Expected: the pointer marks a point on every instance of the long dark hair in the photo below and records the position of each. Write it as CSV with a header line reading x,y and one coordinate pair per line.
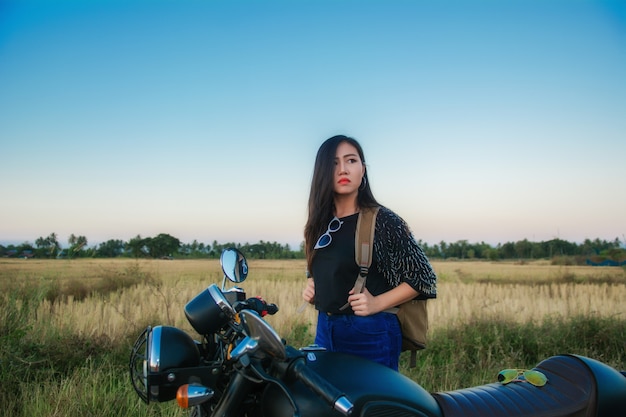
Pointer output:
x,y
321,196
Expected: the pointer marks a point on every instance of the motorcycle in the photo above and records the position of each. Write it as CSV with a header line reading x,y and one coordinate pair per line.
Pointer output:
x,y
242,368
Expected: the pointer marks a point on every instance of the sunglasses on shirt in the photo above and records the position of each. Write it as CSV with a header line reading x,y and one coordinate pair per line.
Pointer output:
x,y
326,238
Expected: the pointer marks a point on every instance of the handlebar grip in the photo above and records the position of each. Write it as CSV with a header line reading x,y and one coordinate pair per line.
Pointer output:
x,y
259,305
322,387
272,309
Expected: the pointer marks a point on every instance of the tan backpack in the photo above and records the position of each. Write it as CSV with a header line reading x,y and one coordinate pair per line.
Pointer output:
x,y
413,314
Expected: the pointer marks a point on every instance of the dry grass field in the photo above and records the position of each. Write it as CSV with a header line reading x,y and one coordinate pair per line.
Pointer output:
x,y
85,295
67,326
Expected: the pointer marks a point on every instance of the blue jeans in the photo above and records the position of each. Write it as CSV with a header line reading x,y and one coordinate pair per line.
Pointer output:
x,y
377,337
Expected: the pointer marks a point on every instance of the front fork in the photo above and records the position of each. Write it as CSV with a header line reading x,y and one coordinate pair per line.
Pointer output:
x,y
234,396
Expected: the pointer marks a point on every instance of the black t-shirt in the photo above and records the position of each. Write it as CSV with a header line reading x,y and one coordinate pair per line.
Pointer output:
x,y
334,270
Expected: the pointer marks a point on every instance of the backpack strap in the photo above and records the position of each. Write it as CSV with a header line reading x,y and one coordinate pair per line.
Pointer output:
x,y
363,246
364,239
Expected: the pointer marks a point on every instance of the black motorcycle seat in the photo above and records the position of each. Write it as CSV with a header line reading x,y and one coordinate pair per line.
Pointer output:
x,y
571,391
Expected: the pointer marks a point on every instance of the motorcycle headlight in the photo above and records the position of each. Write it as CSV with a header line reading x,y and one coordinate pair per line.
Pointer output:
x,y
157,356
209,311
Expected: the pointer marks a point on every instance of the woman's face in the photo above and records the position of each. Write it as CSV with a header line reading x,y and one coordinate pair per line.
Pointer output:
x,y
349,169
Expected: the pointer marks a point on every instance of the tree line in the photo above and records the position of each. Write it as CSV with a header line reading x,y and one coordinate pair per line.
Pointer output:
x,y
162,246
165,246
596,249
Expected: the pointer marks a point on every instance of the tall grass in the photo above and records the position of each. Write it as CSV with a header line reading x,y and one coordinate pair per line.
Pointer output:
x,y
66,327
474,352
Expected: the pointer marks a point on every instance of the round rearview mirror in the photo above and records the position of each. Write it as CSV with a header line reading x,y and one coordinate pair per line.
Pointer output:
x,y
234,265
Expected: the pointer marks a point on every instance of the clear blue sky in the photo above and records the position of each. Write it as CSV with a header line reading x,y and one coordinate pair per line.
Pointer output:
x,y
484,120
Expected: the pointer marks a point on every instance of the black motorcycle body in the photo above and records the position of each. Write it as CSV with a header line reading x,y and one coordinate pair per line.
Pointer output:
x,y
578,386
374,389
243,369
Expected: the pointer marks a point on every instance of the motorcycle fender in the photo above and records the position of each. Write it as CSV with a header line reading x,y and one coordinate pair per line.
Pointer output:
x,y
371,387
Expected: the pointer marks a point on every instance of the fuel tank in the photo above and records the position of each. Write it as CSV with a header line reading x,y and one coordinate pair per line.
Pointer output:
x,y
374,389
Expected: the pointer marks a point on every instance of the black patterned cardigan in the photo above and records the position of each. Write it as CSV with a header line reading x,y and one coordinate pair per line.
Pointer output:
x,y
399,257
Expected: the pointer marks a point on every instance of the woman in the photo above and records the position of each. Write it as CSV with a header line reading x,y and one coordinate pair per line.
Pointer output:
x,y
399,272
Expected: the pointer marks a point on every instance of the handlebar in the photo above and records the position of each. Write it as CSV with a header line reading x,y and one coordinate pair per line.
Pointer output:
x,y
295,366
258,305
321,387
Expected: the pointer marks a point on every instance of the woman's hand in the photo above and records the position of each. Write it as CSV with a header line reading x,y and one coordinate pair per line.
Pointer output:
x,y
366,304
308,294
363,304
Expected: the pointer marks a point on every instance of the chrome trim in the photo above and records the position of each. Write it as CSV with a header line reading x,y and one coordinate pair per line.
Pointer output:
x,y
344,405
154,349
198,394
221,302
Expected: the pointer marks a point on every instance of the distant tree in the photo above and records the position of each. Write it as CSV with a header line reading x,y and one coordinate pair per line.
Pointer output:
x,y
25,250
523,249
443,248
458,249
539,250
482,250
194,249
214,252
489,253
559,247
110,249
137,247
218,248
47,247
42,247
163,245
615,254
77,243
507,251
433,251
